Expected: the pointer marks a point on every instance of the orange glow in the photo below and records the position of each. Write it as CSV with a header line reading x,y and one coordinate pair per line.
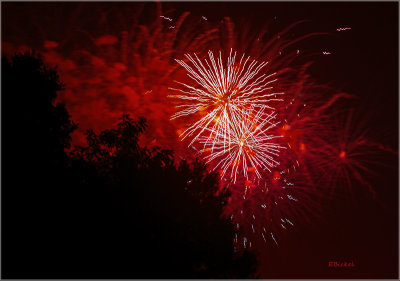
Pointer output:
x,y
247,183
235,163
283,130
302,147
202,111
342,154
277,175
251,169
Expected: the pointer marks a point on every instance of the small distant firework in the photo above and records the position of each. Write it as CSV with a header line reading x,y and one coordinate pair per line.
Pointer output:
x,y
345,157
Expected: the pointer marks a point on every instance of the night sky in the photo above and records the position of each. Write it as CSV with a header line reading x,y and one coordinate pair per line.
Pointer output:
x,y
107,71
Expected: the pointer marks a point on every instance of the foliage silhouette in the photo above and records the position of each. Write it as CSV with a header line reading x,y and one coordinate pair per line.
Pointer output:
x,y
111,209
35,132
173,216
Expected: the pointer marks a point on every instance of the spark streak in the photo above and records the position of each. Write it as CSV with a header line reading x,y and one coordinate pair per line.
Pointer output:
x,y
343,28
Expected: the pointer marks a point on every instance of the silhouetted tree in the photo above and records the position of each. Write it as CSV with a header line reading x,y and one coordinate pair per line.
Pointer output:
x,y
169,212
111,209
35,132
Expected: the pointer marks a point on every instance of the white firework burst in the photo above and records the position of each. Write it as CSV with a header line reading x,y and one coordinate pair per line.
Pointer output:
x,y
222,93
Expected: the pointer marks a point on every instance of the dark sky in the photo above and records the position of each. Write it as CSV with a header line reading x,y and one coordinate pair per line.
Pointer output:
x,y
363,62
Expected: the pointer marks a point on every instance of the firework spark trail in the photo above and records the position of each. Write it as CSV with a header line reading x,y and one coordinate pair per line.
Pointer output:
x,y
222,92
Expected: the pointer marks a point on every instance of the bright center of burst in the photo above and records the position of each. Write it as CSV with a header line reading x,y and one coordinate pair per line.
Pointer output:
x,y
223,99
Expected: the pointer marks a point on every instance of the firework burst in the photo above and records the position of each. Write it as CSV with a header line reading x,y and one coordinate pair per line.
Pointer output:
x,y
223,92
